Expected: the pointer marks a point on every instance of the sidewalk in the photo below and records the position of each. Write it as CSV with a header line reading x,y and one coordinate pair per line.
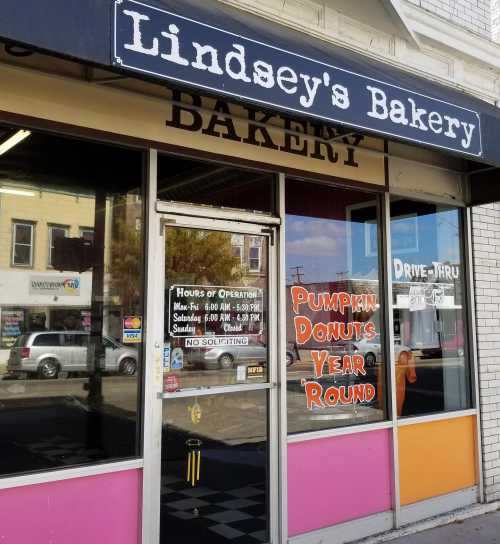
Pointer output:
x,y
477,530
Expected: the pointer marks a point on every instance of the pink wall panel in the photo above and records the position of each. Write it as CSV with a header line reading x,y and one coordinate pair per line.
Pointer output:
x,y
337,479
92,509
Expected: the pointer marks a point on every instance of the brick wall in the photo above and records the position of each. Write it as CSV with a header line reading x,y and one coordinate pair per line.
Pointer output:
x,y
474,15
486,255
495,20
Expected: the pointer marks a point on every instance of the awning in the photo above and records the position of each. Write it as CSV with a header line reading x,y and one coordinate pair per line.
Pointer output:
x,y
220,50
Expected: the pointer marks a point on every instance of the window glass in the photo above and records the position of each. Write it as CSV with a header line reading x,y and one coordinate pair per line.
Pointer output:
x,y
237,246
88,234
215,311
107,343
45,340
254,259
54,234
71,340
432,367
70,212
22,242
336,364
196,182
223,496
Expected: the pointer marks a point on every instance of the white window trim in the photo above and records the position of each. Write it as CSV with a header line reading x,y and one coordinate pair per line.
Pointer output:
x,y
81,230
242,252
250,259
32,243
9,482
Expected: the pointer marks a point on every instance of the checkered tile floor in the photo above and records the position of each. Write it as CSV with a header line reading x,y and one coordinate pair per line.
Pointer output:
x,y
59,449
236,515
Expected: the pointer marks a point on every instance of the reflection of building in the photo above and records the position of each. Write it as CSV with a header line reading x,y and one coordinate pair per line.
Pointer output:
x,y
251,252
32,294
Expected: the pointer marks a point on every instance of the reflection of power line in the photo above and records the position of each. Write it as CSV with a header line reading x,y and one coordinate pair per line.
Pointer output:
x,y
298,275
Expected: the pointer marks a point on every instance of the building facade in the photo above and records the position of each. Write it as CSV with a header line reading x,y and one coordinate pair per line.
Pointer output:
x,y
248,269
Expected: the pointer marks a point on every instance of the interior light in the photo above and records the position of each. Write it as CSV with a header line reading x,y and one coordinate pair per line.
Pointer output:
x,y
19,136
18,192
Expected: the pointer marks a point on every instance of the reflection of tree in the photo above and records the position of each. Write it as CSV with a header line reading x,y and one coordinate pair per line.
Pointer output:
x,y
200,257
126,263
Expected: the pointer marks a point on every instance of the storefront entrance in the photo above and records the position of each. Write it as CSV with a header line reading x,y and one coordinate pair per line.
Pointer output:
x,y
219,375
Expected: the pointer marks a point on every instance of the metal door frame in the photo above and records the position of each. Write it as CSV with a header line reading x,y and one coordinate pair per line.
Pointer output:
x,y
153,396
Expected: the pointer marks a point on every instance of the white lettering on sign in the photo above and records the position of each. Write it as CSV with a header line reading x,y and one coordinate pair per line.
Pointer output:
x,y
416,117
215,311
182,49
215,341
436,271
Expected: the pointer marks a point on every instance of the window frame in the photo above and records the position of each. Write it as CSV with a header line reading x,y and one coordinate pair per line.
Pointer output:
x,y
81,230
31,225
241,247
50,239
374,199
464,226
250,259
112,463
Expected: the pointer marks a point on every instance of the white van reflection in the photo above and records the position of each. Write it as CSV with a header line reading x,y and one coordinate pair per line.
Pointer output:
x,y
47,354
225,357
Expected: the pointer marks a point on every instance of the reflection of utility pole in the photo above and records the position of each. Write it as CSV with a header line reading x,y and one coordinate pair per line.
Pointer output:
x,y
298,275
95,349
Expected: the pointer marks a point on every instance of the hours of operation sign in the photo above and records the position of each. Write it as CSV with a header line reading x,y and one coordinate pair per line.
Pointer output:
x,y
215,311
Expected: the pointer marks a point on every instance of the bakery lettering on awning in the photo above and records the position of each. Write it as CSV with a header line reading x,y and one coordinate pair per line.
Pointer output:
x,y
266,130
324,363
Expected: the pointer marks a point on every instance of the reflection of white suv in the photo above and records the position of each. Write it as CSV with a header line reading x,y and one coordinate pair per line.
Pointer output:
x,y
370,349
228,356
46,353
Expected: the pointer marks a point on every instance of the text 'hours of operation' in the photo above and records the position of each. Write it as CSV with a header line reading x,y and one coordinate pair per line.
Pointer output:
x,y
197,310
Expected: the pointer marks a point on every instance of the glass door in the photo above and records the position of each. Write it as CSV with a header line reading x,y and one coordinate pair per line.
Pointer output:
x,y
218,384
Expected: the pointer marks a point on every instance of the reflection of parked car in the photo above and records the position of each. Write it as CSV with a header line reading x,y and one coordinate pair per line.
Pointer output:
x,y
50,352
370,349
228,356
452,346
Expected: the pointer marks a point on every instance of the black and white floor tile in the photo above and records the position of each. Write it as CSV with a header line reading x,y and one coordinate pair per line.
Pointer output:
x,y
61,450
237,515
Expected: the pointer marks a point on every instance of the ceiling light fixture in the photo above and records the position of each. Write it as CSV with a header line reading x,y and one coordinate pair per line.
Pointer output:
x,y
9,143
17,192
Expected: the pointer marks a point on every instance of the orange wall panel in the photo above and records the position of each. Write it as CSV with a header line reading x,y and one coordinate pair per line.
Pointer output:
x,y
436,458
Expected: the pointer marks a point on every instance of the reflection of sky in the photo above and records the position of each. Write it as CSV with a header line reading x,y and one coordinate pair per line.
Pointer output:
x,y
435,238
320,246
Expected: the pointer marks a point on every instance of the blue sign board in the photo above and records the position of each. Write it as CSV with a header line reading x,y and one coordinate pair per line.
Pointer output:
x,y
167,45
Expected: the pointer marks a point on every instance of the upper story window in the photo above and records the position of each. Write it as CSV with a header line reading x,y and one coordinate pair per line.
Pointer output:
x,y
254,254
55,232
87,234
22,243
237,246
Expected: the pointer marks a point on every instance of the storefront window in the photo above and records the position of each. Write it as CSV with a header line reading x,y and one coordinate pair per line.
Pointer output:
x,y
432,367
210,184
71,319
335,357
